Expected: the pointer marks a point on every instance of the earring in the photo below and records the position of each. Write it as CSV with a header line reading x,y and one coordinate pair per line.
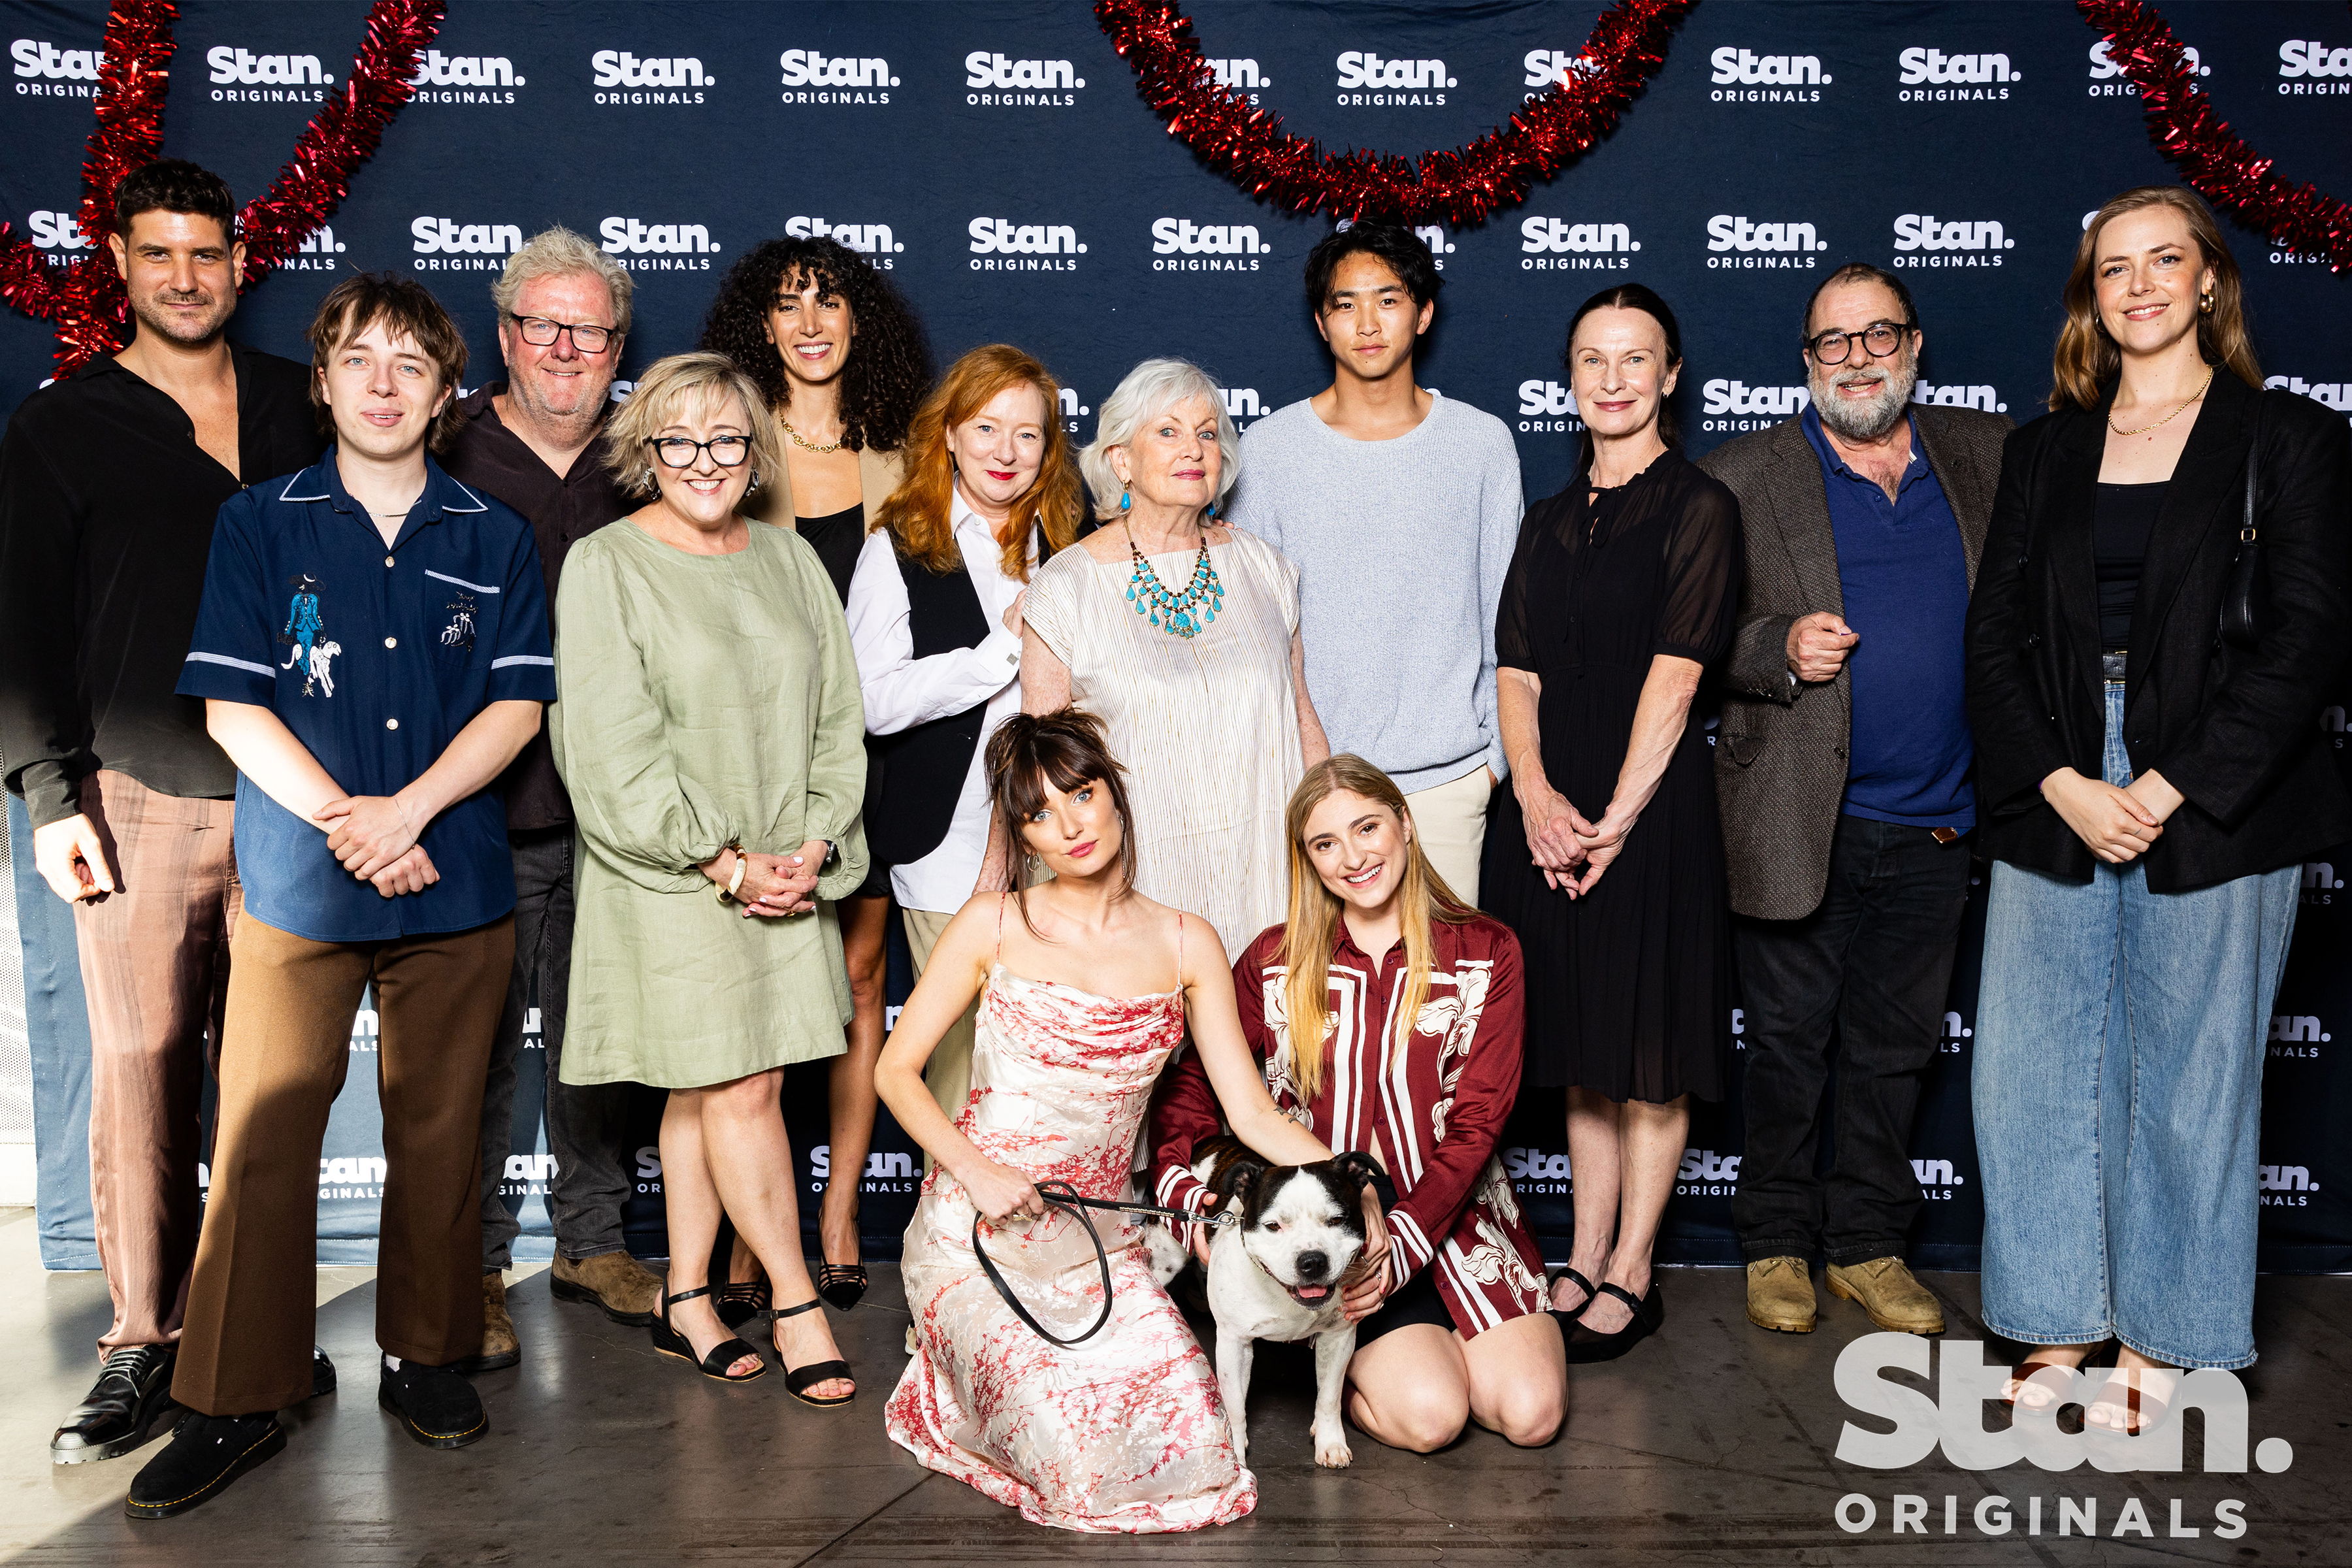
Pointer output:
x,y
1212,513
1124,500
755,480
2205,305
648,482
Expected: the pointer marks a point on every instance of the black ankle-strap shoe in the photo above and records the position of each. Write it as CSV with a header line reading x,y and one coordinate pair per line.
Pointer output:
x,y
130,1403
438,1407
205,1454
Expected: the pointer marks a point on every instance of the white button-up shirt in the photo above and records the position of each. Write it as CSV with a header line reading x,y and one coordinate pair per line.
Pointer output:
x,y
902,692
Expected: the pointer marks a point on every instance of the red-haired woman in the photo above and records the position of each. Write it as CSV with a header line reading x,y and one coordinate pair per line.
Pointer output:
x,y
990,491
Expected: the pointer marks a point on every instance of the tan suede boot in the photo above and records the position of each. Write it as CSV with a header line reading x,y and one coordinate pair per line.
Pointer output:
x,y
500,1347
1894,1301
614,1283
1781,1295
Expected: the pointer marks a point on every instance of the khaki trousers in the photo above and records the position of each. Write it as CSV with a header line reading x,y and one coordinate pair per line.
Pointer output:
x,y
1451,822
252,1312
948,1075
155,965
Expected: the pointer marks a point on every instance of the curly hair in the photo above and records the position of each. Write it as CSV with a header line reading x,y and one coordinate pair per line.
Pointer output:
x,y
887,372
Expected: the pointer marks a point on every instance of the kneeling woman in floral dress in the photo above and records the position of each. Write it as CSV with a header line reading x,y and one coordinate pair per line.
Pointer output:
x,y
1387,1016
1085,988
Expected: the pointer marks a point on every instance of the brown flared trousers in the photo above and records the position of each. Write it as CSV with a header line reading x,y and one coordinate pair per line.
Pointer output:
x,y
246,1345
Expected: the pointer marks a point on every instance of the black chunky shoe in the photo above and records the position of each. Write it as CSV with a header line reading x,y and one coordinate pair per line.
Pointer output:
x,y
129,1403
205,1454
322,1372
439,1407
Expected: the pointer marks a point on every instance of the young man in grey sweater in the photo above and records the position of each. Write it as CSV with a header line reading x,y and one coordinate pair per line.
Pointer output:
x,y
1401,508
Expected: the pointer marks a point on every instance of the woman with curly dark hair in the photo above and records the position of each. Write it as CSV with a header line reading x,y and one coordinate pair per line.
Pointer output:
x,y
838,354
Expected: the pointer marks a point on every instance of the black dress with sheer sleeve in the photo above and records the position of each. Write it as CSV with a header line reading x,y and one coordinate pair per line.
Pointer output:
x,y
1628,987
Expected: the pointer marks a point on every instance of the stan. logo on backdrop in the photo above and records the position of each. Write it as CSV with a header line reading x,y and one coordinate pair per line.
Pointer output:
x,y
1931,76
874,241
1742,76
1000,245
811,76
1001,83
1556,245
2320,884
1754,245
621,78
1548,408
2307,66
1922,239
45,70
1370,79
1240,76
2107,78
657,247
240,76
465,78
445,244
1548,69
1179,244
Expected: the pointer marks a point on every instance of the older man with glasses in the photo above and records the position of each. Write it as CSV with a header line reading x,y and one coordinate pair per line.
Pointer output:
x,y
534,441
1842,764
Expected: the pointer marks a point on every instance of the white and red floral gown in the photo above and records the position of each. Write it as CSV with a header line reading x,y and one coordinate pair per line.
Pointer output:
x,y
1123,1432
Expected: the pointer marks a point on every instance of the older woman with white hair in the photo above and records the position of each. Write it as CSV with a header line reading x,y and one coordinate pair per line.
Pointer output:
x,y
1182,635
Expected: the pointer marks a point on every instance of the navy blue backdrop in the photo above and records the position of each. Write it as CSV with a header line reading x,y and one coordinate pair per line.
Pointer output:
x,y
995,156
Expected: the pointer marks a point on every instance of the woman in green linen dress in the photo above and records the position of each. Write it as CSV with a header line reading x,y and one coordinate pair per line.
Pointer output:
x,y
708,728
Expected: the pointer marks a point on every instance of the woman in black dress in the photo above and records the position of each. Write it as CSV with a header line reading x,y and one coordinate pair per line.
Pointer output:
x,y
839,355
1605,856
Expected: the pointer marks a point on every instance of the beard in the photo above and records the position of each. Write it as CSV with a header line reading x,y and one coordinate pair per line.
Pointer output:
x,y
1868,418
178,326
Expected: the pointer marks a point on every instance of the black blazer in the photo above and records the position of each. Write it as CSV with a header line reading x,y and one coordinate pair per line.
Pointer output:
x,y
2235,730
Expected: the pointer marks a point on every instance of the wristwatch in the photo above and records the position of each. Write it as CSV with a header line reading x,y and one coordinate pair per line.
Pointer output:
x,y
831,857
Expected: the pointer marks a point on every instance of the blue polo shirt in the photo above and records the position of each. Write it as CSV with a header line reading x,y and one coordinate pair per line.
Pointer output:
x,y
1904,575
375,656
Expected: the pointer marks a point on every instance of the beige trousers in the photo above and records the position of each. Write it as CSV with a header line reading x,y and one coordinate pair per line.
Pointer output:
x,y
1451,819
948,1075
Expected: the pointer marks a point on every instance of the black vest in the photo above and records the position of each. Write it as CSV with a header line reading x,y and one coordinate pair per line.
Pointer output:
x,y
922,769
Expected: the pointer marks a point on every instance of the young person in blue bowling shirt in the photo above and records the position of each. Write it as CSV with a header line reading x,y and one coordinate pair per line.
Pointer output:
x,y
372,651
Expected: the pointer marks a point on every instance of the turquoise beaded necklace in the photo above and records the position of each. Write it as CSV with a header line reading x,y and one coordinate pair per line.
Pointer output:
x,y
1178,615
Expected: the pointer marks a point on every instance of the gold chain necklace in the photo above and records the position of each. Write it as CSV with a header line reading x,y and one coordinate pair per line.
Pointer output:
x,y
2146,428
806,445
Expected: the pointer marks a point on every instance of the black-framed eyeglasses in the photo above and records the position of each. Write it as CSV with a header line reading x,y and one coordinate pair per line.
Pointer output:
x,y
541,333
678,452
1881,338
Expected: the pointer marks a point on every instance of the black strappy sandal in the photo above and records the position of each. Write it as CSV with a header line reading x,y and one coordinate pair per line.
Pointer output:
x,y
738,1301
797,1382
1587,1345
843,1285
724,1354
1570,1314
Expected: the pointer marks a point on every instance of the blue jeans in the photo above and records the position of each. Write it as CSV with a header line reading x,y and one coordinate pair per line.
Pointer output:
x,y
2117,1092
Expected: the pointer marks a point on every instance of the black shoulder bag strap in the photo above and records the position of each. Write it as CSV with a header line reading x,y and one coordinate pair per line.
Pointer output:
x,y
2245,604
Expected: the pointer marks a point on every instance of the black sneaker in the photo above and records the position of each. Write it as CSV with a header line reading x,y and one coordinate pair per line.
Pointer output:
x,y
129,1403
439,1408
322,1372
205,1454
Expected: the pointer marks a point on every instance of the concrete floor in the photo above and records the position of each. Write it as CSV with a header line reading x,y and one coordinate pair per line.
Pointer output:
x,y
1712,1444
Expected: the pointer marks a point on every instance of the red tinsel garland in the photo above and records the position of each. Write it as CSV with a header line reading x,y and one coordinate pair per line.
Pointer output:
x,y
2188,129
85,299
1454,185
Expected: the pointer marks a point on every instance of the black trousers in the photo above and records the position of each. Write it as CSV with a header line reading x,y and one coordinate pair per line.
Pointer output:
x,y
1875,959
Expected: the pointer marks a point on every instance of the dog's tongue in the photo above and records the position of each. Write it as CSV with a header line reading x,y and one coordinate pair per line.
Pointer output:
x,y
1313,1292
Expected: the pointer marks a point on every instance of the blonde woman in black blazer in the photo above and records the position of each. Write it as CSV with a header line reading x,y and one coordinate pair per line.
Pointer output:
x,y
2148,789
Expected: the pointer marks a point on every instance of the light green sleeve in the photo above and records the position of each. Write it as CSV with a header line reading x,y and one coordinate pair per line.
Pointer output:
x,y
634,807
836,774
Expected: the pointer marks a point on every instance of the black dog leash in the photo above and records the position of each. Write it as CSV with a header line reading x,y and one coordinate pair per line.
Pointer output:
x,y
1062,1195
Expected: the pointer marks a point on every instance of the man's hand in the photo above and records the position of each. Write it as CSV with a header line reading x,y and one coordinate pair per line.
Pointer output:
x,y
412,873
1818,644
372,832
71,859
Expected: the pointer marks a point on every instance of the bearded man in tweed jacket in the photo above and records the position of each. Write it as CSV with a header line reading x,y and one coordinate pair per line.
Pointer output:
x,y
1843,762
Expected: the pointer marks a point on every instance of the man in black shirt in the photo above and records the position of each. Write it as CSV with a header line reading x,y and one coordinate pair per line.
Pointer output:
x,y
533,442
109,480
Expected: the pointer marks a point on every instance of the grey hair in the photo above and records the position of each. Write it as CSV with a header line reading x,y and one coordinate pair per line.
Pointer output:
x,y
558,253
1153,387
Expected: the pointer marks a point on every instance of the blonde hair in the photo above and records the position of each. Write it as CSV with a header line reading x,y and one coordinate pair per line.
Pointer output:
x,y
2087,361
667,389
920,513
1309,931
558,253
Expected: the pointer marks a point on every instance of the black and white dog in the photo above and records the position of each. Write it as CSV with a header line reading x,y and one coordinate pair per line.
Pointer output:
x,y
1276,1274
